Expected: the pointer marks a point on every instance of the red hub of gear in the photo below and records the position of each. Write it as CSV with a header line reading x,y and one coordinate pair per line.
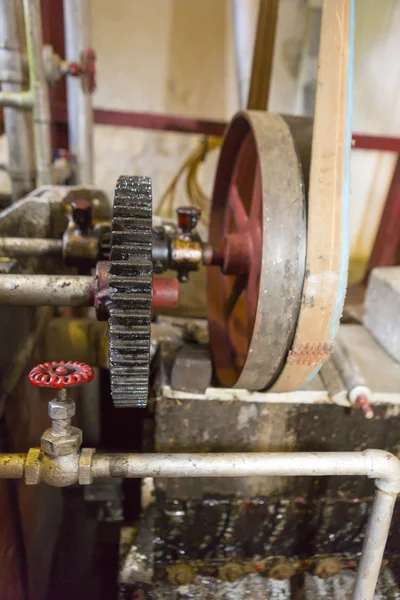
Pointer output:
x,y
59,375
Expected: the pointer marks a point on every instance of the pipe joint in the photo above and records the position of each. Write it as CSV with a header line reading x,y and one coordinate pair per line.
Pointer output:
x,y
385,469
57,471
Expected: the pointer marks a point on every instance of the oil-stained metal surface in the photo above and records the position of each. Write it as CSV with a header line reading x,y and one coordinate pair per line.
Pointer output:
x,y
251,587
130,278
254,532
43,213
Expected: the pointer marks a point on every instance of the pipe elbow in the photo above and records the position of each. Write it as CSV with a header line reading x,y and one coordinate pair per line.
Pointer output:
x,y
385,469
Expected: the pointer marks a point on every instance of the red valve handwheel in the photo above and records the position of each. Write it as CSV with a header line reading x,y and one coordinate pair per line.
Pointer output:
x,y
58,375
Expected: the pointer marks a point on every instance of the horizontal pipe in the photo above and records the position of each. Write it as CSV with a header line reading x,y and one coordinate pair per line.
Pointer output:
x,y
46,290
381,143
179,124
15,247
12,466
376,464
21,100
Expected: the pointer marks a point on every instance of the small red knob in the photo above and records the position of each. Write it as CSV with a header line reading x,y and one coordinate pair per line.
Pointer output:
x,y
58,375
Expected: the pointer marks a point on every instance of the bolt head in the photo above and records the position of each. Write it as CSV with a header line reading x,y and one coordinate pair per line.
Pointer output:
x,y
61,410
62,445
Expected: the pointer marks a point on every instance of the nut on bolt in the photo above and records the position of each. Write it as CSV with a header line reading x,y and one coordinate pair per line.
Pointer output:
x,y
61,410
68,443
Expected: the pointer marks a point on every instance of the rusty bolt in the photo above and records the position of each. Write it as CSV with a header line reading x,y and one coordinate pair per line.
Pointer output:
x,y
283,569
180,574
327,567
230,572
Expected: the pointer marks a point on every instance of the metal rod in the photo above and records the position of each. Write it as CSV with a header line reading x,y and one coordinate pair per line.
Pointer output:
x,y
15,247
374,546
46,290
375,464
14,83
39,90
358,391
12,466
80,114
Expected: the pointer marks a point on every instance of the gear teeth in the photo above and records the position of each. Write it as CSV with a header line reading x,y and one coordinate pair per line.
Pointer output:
x,y
130,277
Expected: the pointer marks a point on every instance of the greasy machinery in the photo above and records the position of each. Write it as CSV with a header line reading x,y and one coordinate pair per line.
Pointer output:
x,y
234,412
255,276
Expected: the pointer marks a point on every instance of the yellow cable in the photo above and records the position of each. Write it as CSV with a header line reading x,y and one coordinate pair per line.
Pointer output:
x,y
196,195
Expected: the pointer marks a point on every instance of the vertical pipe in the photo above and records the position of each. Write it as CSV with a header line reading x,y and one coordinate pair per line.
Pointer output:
x,y
17,123
80,115
39,90
374,546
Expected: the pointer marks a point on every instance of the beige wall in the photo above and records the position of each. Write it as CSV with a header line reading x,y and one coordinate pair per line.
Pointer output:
x,y
165,56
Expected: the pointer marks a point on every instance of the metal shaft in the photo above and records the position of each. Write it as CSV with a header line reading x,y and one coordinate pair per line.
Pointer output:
x,y
12,466
357,388
15,247
46,290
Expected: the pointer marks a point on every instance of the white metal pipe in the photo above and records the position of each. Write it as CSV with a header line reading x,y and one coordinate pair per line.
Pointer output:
x,y
20,100
15,246
39,89
46,290
375,464
77,20
14,93
374,545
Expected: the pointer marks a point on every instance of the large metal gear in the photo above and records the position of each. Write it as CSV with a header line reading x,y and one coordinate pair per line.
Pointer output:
x,y
130,279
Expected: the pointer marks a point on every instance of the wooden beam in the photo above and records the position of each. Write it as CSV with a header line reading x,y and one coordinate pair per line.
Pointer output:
x,y
263,55
328,201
